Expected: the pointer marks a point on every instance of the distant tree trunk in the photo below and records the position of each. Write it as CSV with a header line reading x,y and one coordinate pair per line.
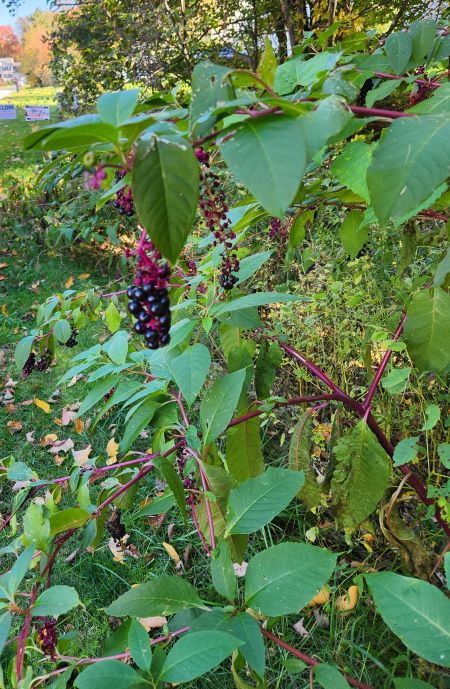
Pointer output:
x,y
288,21
280,31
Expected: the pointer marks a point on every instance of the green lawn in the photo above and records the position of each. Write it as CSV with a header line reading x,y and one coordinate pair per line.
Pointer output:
x,y
14,161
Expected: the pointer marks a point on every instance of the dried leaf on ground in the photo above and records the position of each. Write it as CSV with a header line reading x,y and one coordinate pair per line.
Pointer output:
x,y
14,426
42,405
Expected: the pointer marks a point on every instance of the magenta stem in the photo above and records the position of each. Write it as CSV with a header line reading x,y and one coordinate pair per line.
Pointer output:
x,y
381,368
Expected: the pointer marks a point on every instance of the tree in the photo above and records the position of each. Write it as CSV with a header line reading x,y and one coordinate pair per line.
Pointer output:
x,y
36,52
9,43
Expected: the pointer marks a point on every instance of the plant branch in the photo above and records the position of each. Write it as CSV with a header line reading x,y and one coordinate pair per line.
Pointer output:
x,y
381,368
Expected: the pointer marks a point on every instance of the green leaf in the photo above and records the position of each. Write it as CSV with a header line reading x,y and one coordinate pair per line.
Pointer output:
x,y
398,47
277,146
284,578
5,625
165,191
138,420
209,87
254,503
351,165
361,476
408,164
442,274
244,450
190,370
117,106
444,454
438,103
432,414
417,612
325,122
447,569
250,264
254,299
300,459
70,518
243,627
427,330
405,451
11,580
139,645
311,71
410,683
396,380
196,653
19,471
55,601
110,673
219,404
96,394
268,63
112,317
22,351
383,91
117,347
329,677
163,596
62,330
422,34
36,527
352,235
222,572
171,477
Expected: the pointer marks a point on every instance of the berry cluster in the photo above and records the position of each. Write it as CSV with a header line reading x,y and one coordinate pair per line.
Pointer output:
x,y
188,481
277,230
72,341
93,180
149,299
214,209
47,636
41,364
420,89
124,199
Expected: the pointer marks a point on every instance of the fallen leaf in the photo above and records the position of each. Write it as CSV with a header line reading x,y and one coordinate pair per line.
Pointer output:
x,y
170,531
8,395
4,310
48,439
2,277
14,426
82,456
300,628
69,282
62,446
42,405
3,265
11,407
79,425
67,416
59,459
240,569
348,601
152,622
84,276
30,437
320,599
156,521
172,553
112,449
26,403
322,620
187,554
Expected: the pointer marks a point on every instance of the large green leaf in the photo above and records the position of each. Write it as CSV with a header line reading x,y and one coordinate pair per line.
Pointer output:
x,y
190,370
222,572
310,71
140,418
411,683
139,645
55,601
240,625
361,476
408,164
196,653
427,330
173,480
117,347
416,611
327,120
254,299
165,191
244,450
438,103
350,167
209,87
110,673
163,596
5,626
284,578
268,155
22,351
422,34
117,106
70,518
219,404
382,91
257,501
398,47
300,459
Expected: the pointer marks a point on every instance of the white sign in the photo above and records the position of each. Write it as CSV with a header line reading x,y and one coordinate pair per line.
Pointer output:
x,y
7,112
37,112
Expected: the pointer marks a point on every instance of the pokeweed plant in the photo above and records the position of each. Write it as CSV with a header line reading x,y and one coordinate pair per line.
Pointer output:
x,y
286,134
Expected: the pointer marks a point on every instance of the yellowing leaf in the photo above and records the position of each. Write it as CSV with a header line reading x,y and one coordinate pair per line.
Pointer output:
x,y
347,602
79,425
42,405
320,599
82,456
14,426
48,439
4,310
152,622
69,282
172,553
84,276
111,450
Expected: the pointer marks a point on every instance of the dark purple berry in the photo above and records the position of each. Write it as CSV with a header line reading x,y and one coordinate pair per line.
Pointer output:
x,y
164,339
139,328
143,316
138,294
134,307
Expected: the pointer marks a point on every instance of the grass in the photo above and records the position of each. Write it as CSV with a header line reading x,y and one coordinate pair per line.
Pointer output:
x,y
15,163
358,642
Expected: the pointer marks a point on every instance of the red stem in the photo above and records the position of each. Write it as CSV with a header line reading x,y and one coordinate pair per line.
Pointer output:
x,y
307,659
292,401
384,362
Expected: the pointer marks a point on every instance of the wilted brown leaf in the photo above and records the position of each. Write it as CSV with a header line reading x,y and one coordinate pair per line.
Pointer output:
x,y
69,282
82,456
14,426
152,622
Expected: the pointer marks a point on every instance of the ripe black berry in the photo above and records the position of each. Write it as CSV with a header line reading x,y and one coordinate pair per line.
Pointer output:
x,y
164,339
138,294
134,307
139,328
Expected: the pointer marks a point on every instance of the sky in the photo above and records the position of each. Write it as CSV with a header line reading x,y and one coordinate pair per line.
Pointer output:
x,y
26,7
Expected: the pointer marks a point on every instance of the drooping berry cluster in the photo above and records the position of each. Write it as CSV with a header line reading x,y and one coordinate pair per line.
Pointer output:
x,y
188,481
277,230
148,298
72,341
214,209
124,197
47,636
41,364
